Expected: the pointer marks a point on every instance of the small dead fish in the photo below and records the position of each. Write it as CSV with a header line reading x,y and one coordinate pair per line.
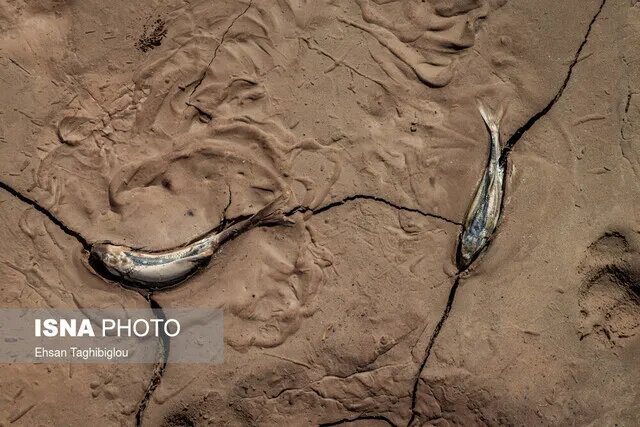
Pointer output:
x,y
154,270
484,212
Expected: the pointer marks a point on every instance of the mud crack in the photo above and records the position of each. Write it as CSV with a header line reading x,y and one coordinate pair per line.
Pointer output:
x,y
37,206
339,62
215,52
378,199
159,368
432,340
360,418
518,134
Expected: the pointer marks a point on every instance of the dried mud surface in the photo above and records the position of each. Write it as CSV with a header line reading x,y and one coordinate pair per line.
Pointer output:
x,y
148,124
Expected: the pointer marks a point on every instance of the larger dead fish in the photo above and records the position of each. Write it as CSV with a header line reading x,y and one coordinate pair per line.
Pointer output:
x,y
484,212
154,270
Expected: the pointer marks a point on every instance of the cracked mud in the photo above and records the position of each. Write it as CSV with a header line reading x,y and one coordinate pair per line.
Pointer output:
x,y
151,127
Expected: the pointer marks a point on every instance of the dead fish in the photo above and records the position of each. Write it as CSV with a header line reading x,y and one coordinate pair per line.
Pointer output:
x,y
482,219
154,270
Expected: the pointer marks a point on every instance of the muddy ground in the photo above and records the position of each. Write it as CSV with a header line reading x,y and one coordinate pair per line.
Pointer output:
x,y
148,124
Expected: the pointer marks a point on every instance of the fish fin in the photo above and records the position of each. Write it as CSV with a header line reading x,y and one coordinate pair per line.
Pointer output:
x,y
492,118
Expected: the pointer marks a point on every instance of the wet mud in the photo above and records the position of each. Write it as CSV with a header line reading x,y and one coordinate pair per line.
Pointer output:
x,y
382,260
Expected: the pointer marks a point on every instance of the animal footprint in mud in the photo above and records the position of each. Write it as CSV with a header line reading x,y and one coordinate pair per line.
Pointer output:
x,y
610,294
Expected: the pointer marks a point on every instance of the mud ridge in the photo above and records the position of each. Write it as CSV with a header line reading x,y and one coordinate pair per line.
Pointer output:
x,y
518,134
160,366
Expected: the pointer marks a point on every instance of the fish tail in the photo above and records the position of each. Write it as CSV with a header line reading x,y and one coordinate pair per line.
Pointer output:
x,y
272,209
492,118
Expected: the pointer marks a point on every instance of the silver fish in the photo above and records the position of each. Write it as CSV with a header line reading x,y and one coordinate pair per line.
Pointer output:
x,y
482,219
154,270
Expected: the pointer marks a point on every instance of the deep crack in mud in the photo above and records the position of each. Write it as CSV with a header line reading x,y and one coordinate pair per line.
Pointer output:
x,y
361,418
15,193
379,200
432,340
158,370
518,134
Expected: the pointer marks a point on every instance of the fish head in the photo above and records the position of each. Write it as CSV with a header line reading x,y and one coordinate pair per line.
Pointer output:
x,y
115,258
